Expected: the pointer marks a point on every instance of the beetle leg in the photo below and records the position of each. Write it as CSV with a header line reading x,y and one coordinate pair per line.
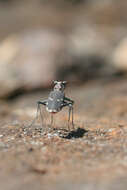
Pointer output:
x,y
35,116
70,114
69,100
51,120
72,111
41,103
38,109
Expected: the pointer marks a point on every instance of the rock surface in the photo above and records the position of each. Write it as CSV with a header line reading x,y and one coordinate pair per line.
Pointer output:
x,y
91,157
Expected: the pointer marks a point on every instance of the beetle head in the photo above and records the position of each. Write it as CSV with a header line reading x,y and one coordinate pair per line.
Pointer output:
x,y
60,85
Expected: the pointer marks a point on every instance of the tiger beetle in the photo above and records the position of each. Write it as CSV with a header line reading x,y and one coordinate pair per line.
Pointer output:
x,y
55,102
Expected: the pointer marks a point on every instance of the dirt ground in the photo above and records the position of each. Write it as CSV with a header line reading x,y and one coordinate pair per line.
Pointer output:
x,y
91,157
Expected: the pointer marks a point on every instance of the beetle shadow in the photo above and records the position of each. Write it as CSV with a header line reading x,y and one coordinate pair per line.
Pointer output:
x,y
78,133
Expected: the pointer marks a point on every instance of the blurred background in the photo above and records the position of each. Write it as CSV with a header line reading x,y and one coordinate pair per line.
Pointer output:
x,y
73,40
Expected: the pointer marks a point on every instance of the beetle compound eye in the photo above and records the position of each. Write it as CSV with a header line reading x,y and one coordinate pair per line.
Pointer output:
x,y
64,82
55,81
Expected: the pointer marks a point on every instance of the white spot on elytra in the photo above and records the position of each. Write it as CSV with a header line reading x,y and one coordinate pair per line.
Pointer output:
x,y
50,110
